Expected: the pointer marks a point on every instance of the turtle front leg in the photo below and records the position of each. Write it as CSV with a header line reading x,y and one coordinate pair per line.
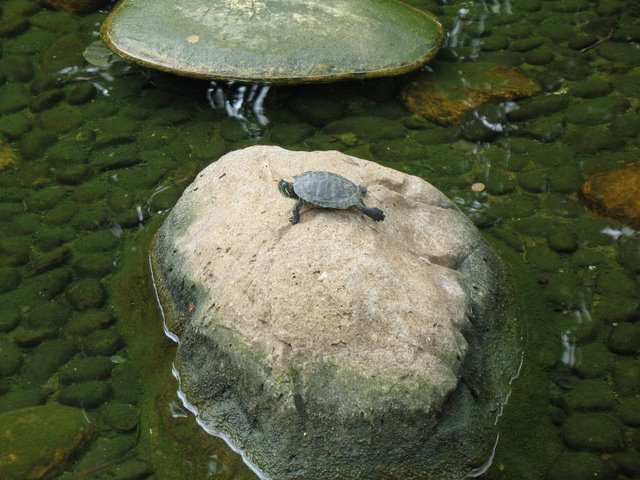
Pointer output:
x,y
296,212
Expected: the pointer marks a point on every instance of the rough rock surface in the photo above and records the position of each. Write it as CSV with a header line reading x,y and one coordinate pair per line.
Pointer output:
x,y
616,194
339,347
452,90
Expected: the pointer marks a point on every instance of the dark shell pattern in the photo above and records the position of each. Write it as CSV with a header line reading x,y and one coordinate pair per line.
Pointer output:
x,y
326,189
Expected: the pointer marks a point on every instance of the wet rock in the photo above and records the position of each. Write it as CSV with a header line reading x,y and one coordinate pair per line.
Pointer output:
x,y
45,360
580,466
498,182
103,342
90,394
13,126
93,264
591,395
452,90
628,84
566,292
19,398
591,88
628,463
34,144
306,404
544,259
615,194
13,97
45,100
61,214
44,198
629,411
540,56
85,369
592,431
10,358
89,321
165,199
596,111
614,283
50,314
12,27
81,93
74,6
32,337
484,124
9,318
17,68
9,279
526,44
112,158
86,294
626,376
66,51
538,106
624,339
534,180
60,120
122,417
593,360
625,53
125,381
615,308
566,179
582,41
367,127
75,174
134,469
34,447
562,240
629,254
593,139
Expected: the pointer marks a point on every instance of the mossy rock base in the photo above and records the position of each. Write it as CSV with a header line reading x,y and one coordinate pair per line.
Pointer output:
x,y
32,446
276,41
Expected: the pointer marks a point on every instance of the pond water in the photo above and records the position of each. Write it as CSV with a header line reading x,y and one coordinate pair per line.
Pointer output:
x,y
95,158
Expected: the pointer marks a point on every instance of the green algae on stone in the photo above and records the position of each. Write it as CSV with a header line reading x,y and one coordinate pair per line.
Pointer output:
x,y
32,446
276,41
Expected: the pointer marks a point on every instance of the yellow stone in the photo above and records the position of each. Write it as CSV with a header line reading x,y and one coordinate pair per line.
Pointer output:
x,y
616,194
448,93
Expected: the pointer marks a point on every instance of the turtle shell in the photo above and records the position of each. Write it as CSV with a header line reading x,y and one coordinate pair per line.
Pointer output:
x,y
326,189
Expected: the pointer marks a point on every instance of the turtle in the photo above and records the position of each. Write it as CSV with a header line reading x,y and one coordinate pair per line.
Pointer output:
x,y
326,190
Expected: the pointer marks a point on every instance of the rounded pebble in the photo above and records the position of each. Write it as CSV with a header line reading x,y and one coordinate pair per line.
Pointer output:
x,y
85,395
597,432
562,240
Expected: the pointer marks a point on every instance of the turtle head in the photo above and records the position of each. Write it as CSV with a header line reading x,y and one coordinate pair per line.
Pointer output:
x,y
286,189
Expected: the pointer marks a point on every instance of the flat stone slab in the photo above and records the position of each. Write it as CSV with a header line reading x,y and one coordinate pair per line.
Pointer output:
x,y
274,41
339,347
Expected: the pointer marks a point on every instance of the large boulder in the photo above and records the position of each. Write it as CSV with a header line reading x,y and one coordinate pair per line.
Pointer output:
x,y
340,347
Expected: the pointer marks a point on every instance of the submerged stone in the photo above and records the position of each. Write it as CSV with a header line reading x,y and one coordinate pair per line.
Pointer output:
x,y
276,41
616,194
338,347
39,442
452,90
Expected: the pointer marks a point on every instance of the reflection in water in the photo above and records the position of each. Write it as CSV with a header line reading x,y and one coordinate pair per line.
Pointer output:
x,y
242,101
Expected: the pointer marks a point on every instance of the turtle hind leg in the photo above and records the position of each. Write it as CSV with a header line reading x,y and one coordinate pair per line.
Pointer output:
x,y
296,212
375,213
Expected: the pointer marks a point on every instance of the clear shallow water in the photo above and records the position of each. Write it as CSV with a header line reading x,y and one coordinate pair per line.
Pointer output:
x,y
102,155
